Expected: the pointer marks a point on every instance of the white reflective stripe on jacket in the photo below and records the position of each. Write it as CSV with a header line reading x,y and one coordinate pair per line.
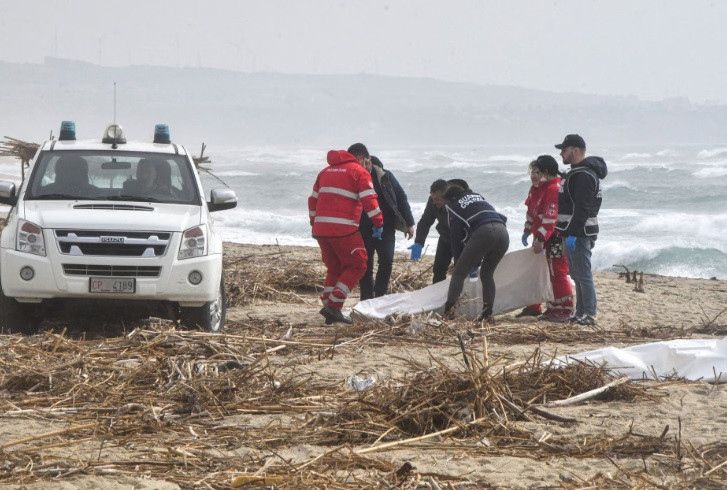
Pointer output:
x,y
338,221
339,191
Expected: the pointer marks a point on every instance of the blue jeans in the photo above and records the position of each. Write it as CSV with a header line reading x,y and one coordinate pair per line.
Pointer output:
x,y
579,263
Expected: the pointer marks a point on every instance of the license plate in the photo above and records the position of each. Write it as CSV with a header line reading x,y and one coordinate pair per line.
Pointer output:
x,y
112,285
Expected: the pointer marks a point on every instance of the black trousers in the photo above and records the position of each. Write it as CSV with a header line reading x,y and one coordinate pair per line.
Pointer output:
x,y
384,249
487,245
442,258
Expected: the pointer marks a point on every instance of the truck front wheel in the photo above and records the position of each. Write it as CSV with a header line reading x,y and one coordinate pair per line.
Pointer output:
x,y
16,317
210,316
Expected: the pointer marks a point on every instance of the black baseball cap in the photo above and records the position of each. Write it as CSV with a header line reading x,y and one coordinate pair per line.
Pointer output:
x,y
572,140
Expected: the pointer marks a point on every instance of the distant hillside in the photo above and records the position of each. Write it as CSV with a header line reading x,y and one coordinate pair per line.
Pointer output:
x,y
225,107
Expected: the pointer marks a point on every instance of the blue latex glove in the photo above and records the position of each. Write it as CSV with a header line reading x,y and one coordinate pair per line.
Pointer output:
x,y
416,251
473,272
570,243
525,239
377,232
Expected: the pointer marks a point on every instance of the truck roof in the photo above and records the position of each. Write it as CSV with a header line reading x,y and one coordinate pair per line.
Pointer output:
x,y
140,146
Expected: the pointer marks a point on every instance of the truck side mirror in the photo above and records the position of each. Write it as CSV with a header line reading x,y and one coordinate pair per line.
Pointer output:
x,y
221,199
7,193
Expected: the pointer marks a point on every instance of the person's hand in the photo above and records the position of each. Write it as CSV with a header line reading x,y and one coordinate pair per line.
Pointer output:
x,y
473,272
416,251
377,232
409,233
570,243
537,246
525,239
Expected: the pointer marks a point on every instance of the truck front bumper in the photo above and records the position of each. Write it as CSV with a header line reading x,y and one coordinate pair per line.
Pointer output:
x,y
50,281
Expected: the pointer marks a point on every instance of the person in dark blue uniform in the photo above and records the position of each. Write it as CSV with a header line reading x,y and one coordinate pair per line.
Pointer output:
x,y
435,211
479,238
579,201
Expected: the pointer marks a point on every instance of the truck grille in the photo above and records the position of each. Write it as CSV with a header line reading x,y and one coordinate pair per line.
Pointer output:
x,y
112,243
111,270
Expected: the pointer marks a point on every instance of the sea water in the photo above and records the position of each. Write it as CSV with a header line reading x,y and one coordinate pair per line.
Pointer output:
x,y
663,208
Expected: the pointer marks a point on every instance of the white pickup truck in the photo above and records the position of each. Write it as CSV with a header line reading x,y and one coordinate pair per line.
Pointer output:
x,y
112,221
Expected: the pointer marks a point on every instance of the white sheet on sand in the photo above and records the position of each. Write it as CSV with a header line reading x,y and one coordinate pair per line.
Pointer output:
x,y
693,359
521,279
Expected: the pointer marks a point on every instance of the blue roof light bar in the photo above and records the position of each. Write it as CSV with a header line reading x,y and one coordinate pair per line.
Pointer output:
x,y
68,131
161,134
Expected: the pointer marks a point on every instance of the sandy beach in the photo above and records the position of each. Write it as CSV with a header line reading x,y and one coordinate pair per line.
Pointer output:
x,y
455,404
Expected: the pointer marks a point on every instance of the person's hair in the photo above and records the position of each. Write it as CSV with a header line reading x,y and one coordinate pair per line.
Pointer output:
x,y
460,182
358,150
439,185
376,161
547,165
532,165
454,191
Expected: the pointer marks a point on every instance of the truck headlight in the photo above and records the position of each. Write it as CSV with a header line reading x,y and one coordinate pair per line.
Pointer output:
x,y
194,243
30,238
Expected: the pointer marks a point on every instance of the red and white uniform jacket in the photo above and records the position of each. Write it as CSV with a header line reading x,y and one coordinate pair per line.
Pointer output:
x,y
544,210
340,191
532,202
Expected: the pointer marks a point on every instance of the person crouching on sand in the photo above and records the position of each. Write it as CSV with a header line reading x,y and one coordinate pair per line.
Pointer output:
x,y
339,193
478,236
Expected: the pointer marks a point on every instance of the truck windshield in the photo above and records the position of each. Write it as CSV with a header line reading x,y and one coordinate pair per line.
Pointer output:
x,y
117,176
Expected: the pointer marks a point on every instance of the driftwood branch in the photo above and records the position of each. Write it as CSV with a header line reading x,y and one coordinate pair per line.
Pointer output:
x,y
417,439
22,150
588,394
622,274
201,159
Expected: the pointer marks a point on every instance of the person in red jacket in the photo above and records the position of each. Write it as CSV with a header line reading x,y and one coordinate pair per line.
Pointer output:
x,y
545,236
533,200
340,192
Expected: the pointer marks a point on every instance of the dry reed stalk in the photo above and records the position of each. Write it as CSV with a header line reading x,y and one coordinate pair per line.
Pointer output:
x,y
277,278
45,435
176,396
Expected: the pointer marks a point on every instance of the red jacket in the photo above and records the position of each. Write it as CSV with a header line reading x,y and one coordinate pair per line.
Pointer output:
x,y
534,195
543,209
340,191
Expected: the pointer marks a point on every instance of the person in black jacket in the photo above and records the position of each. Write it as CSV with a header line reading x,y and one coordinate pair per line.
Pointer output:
x,y
479,236
579,201
397,216
435,211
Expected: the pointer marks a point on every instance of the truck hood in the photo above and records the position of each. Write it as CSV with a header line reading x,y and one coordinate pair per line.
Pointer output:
x,y
106,215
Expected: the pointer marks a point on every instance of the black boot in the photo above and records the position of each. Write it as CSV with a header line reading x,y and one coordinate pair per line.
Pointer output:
x,y
328,322
527,311
332,316
486,314
449,311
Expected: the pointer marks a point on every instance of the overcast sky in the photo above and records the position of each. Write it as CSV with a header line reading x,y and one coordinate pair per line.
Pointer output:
x,y
647,48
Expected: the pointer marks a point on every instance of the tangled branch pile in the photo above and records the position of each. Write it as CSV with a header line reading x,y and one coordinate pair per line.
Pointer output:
x,y
277,278
166,402
438,398
20,149
176,405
